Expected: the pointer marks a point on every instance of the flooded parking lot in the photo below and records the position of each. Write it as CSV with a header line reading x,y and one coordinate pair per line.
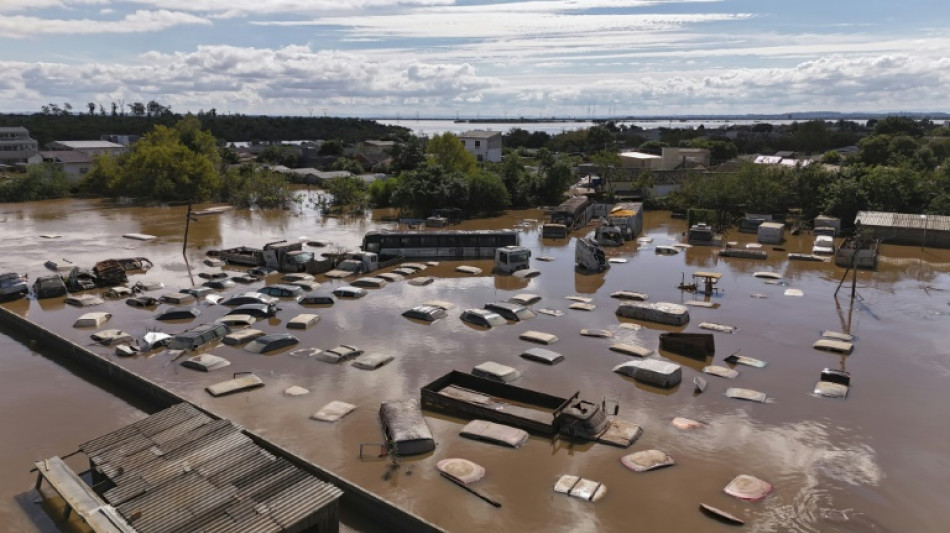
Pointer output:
x,y
875,461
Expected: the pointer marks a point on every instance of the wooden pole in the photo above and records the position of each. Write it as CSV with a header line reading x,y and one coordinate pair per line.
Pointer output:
x,y
458,482
184,243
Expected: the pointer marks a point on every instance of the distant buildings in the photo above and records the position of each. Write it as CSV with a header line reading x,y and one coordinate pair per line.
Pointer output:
x,y
16,146
484,145
90,148
75,164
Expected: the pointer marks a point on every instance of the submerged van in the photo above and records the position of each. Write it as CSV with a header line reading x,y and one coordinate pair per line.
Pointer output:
x,y
198,336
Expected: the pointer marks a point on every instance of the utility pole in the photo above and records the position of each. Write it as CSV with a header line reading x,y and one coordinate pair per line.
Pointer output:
x,y
188,219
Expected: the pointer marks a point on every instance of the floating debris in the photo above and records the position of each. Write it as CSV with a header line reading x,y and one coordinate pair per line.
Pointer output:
x,y
722,328
695,345
635,350
837,335
140,236
617,260
496,371
111,337
746,394
700,303
468,269
666,250
687,423
580,306
581,299
720,514
646,460
546,258
524,299
721,371
526,273
660,312
50,236
699,384
736,359
420,281
205,362
333,411
767,275
748,488
758,295
461,469
247,381
551,312
542,356
833,346
630,295
295,390
833,383
579,487
794,292
645,240
491,432
602,333
84,300
656,372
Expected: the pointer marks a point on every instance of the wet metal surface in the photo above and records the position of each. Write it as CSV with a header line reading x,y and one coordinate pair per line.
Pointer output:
x,y
873,458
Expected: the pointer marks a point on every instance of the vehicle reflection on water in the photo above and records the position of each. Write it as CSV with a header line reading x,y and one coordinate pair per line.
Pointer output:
x,y
868,459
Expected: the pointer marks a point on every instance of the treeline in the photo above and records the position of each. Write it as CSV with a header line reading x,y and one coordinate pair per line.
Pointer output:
x,y
440,173
60,126
184,163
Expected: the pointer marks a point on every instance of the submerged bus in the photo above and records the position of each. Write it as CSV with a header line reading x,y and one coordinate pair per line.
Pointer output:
x,y
456,244
573,213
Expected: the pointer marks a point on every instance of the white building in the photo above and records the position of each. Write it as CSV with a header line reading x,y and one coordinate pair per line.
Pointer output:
x,y
74,164
483,144
16,145
90,148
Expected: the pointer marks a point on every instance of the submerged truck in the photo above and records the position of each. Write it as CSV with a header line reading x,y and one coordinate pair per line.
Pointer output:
x,y
473,397
628,216
589,256
282,255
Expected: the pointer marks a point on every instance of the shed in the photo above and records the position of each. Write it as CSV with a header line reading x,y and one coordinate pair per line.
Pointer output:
x,y
181,470
906,228
824,221
771,233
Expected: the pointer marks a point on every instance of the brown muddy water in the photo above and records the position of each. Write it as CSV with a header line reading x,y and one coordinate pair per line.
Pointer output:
x,y
876,461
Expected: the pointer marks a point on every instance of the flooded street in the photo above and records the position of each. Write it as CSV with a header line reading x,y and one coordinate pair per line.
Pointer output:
x,y
876,461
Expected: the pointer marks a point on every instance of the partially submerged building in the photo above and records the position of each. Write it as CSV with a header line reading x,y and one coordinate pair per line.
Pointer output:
x,y
906,228
181,470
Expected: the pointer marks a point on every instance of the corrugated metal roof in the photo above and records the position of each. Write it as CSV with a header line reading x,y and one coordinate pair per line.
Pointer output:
x,y
903,220
180,470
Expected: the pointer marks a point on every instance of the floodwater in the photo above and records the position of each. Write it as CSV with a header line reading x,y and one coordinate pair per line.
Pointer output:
x,y
876,461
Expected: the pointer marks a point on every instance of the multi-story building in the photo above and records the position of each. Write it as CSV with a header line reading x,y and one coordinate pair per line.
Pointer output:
x,y
16,146
484,145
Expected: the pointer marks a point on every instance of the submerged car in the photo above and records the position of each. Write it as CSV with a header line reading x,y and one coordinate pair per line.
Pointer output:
x,y
259,310
178,313
198,336
349,291
281,291
510,311
49,287
270,343
316,299
482,317
250,298
219,284
13,286
427,313
339,353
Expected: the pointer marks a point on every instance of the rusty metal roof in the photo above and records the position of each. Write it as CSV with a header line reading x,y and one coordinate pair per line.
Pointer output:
x,y
181,470
903,220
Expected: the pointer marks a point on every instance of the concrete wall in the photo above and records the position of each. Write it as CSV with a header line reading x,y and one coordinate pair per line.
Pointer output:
x,y
355,498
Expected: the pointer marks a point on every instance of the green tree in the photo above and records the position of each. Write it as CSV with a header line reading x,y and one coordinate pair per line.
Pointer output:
x,y
409,154
279,155
448,152
381,192
420,191
347,163
556,175
895,125
332,147
348,191
42,181
516,180
486,194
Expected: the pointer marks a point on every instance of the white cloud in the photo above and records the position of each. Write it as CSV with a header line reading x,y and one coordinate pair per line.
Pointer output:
x,y
139,21
9,6
290,78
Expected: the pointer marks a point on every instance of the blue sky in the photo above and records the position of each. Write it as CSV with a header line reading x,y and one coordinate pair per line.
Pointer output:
x,y
382,58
